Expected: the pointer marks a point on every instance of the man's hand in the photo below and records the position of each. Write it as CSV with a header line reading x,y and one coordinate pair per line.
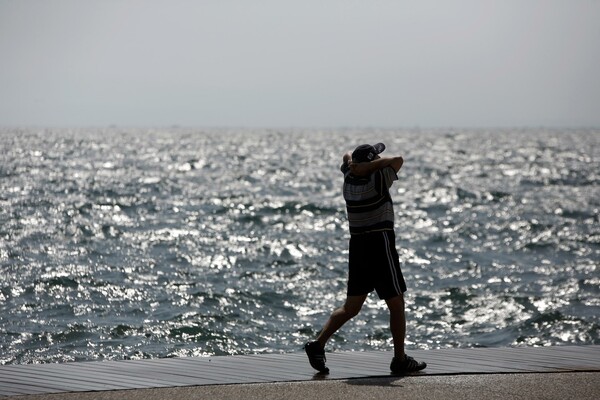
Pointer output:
x,y
347,159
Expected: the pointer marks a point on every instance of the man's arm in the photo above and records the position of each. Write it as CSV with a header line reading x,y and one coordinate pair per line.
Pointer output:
x,y
367,168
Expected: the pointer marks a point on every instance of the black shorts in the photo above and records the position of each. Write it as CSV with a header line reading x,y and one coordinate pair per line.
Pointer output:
x,y
374,265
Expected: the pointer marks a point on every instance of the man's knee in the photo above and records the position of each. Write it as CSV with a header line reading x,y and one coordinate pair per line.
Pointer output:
x,y
353,305
351,311
396,304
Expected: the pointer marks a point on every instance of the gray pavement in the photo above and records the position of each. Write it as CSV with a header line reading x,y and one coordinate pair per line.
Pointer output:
x,y
530,386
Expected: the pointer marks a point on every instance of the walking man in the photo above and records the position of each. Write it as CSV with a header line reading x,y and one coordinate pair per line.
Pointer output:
x,y
373,261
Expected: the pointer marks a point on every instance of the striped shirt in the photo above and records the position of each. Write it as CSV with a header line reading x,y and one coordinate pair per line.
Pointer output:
x,y
368,201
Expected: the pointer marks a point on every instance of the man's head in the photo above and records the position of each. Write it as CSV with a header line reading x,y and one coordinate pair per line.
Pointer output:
x,y
367,152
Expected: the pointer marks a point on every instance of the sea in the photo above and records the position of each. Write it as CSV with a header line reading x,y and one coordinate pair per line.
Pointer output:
x,y
121,243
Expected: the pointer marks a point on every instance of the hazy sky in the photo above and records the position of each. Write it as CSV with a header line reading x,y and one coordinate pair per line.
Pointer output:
x,y
300,63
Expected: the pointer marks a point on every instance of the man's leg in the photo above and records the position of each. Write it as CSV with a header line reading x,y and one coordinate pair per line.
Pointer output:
x,y
340,316
397,324
401,363
316,350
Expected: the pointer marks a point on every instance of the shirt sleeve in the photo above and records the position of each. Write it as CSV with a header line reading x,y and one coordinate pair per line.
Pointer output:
x,y
389,176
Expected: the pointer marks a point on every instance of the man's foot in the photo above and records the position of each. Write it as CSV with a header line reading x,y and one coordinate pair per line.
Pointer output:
x,y
406,365
316,356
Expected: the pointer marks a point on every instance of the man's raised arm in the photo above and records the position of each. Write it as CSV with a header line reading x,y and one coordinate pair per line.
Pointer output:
x,y
367,168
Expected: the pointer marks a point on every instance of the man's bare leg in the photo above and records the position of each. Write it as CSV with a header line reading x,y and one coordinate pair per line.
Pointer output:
x,y
397,324
340,316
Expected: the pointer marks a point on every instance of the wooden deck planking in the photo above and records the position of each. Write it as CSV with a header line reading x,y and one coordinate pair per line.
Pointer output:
x,y
73,375
133,369
548,357
486,359
260,368
478,359
53,379
122,376
18,388
232,370
253,371
173,372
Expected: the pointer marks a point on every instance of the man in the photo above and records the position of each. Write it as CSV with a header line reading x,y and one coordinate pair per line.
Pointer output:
x,y
373,261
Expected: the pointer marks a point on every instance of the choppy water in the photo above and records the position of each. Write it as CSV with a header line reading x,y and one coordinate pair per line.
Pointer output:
x,y
119,244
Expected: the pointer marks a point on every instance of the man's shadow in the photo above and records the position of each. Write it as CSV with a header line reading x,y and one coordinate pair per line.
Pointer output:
x,y
381,381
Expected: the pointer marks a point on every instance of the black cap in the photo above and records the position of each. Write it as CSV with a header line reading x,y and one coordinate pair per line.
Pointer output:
x,y
366,152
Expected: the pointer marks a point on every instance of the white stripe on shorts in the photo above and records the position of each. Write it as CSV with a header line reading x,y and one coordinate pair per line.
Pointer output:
x,y
391,264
